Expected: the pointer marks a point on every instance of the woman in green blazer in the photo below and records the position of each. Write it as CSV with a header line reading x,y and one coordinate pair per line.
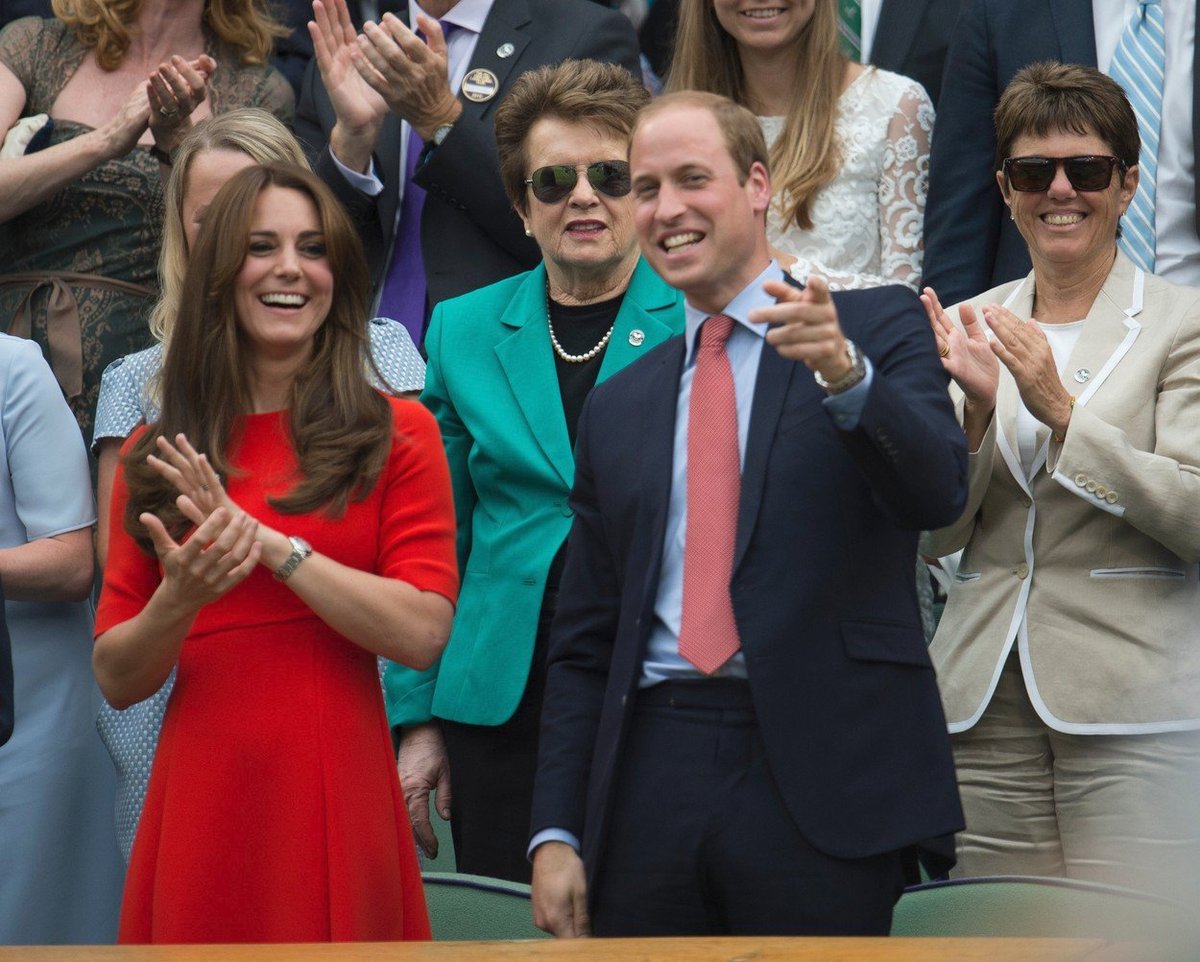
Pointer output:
x,y
508,370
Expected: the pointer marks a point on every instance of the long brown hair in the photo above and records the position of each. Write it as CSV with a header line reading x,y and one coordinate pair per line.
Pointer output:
x,y
248,26
806,156
340,426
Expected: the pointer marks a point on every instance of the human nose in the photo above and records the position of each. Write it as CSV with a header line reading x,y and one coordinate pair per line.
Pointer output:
x,y
583,194
287,261
669,203
1061,185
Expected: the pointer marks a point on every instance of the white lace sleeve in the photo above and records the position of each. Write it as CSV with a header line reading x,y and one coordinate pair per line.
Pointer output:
x,y
903,188
886,131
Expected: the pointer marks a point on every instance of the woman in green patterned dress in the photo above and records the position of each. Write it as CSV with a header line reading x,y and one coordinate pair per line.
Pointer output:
x,y
81,218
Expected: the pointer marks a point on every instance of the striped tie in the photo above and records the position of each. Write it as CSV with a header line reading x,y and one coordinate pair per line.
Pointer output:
x,y
1138,66
850,28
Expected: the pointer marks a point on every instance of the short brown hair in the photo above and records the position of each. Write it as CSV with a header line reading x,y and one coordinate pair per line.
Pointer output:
x,y
601,95
740,128
1049,96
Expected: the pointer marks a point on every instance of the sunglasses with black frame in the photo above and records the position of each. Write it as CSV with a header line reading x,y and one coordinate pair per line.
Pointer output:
x,y
551,184
1089,172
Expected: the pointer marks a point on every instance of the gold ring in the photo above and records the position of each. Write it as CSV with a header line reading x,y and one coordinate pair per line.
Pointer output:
x,y
944,350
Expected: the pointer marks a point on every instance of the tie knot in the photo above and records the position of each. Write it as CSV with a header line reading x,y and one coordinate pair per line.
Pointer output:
x,y
716,331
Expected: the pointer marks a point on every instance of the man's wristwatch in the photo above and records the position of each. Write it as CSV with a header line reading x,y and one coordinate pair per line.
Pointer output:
x,y
858,370
440,134
301,549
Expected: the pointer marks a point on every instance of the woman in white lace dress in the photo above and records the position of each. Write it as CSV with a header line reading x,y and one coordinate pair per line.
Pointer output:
x,y
849,144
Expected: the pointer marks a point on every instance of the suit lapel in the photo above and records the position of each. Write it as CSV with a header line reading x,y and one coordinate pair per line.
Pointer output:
x,y
646,309
656,444
506,23
1108,334
528,363
770,389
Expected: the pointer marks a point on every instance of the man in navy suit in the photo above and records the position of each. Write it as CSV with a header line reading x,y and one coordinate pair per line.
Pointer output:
x,y
971,244
742,731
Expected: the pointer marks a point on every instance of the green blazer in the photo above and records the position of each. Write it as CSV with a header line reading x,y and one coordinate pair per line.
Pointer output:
x,y
492,385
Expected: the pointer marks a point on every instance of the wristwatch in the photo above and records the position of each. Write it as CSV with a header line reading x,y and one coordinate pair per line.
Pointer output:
x,y
858,370
301,549
440,134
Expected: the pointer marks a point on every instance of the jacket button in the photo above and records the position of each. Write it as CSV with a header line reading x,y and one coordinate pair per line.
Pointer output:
x,y
1081,479
1021,570
1101,491
1027,502
1111,497
565,509
1090,487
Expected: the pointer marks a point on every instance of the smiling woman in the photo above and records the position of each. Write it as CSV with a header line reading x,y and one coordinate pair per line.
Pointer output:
x,y
310,475
1066,654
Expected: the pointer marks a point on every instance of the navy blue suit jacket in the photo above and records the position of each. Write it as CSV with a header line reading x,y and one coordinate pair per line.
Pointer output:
x,y
822,588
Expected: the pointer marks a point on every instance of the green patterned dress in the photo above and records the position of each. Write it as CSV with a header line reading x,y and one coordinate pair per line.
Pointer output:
x,y
107,225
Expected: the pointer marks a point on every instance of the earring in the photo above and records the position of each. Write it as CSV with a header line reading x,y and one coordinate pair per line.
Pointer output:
x,y
528,232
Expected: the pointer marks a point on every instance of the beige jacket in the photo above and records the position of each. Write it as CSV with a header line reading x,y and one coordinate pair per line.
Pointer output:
x,y
1090,568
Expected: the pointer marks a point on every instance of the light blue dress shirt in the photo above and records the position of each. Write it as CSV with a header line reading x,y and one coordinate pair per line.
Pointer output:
x,y
744,348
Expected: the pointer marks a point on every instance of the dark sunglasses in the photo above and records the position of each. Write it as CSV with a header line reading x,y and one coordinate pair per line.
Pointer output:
x,y
551,184
1088,173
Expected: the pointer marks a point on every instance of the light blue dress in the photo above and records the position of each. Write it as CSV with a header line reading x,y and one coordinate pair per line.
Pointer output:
x,y
61,873
126,400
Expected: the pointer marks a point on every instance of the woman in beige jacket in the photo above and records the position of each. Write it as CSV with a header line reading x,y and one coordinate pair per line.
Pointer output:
x,y
1068,654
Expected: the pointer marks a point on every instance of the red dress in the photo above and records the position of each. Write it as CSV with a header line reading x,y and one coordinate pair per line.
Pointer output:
x,y
274,813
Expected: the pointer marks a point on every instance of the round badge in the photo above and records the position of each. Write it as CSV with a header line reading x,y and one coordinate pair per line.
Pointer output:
x,y
1083,375
505,50
636,337
480,85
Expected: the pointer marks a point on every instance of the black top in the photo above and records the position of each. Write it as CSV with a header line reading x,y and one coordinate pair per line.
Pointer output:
x,y
578,328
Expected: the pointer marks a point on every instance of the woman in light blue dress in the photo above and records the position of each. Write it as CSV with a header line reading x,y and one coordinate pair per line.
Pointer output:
x,y
60,870
209,155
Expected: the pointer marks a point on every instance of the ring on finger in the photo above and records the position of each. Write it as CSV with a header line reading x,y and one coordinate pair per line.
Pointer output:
x,y
168,113
944,350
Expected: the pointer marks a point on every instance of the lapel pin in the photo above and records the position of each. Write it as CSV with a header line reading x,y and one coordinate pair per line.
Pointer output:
x,y
505,50
479,85
636,337
1083,375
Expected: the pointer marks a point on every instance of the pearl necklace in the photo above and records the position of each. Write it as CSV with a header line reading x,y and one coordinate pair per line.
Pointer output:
x,y
574,358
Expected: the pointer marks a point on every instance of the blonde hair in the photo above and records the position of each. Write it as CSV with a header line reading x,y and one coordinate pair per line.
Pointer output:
x,y
248,26
248,130
806,156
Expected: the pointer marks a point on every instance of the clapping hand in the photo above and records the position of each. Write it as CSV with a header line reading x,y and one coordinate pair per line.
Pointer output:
x,y
1024,350
411,75
174,90
359,109
966,353
201,492
219,555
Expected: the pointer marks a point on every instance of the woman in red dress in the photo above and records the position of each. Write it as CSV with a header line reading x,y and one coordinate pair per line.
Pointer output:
x,y
314,533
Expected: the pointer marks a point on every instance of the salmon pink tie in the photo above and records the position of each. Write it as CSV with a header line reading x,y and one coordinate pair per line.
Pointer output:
x,y
708,634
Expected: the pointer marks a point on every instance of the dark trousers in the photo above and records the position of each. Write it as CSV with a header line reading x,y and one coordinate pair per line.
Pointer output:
x,y
700,842
491,776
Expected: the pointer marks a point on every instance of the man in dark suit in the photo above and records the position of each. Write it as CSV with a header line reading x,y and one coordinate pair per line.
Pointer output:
x,y
446,91
741,730
971,245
